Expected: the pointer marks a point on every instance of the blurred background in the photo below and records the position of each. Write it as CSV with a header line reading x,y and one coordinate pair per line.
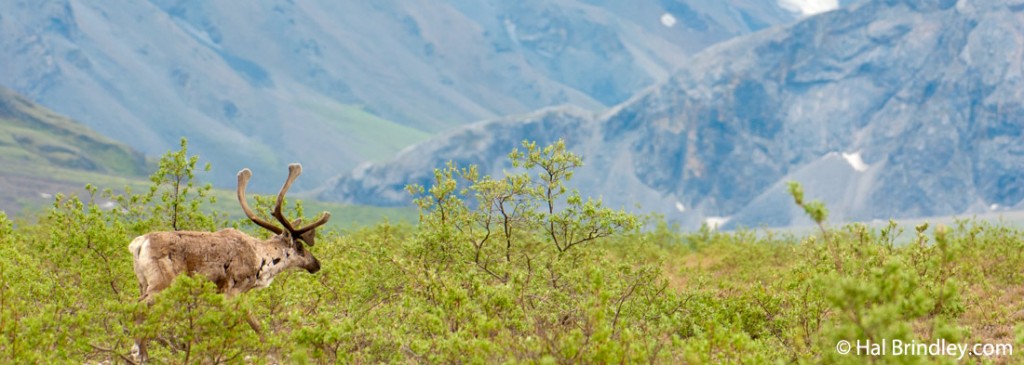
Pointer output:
x,y
697,110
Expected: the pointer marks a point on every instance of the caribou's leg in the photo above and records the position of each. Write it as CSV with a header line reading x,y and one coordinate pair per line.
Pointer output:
x,y
139,352
232,292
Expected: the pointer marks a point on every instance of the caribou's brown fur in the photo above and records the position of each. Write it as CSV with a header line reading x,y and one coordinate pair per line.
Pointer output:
x,y
233,260
236,262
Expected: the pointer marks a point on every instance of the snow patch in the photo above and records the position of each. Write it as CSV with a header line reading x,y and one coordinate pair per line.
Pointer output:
x,y
46,195
855,161
716,221
809,7
668,20
680,207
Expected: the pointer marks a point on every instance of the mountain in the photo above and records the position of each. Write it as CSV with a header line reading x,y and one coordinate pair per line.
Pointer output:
x,y
335,83
31,134
882,109
43,152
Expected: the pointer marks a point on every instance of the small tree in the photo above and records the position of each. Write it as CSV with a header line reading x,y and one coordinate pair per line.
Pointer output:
x,y
511,208
816,210
179,197
578,221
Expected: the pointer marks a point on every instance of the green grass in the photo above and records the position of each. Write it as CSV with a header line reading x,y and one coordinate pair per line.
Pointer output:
x,y
373,136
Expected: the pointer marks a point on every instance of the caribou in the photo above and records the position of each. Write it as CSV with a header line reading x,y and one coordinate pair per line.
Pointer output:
x,y
233,260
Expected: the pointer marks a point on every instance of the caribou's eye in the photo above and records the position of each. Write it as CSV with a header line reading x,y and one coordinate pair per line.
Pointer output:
x,y
276,260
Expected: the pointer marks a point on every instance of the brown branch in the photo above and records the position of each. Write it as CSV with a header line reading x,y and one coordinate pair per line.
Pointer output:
x,y
621,301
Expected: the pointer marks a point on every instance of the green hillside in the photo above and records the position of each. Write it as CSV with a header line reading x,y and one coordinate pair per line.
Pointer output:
x,y
35,136
380,138
42,152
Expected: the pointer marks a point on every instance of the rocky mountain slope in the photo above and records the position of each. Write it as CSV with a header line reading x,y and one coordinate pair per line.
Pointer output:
x,y
889,108
333,83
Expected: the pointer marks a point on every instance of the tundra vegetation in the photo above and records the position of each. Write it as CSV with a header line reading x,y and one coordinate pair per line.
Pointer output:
x,y
514,268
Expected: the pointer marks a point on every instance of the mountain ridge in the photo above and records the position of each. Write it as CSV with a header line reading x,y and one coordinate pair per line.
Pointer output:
x,y
913,93
264,84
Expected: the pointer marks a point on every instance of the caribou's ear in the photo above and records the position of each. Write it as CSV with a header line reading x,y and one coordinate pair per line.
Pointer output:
x,y
308,237
297,236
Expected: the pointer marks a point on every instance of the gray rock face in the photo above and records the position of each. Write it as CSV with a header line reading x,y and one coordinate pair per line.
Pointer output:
x,y
485,144
885,109
334,83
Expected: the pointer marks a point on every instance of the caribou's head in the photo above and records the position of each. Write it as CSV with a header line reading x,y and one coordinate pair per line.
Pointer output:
x,y
290,238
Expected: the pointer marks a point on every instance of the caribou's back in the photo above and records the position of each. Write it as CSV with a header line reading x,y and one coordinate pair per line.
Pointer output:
x,y
227,257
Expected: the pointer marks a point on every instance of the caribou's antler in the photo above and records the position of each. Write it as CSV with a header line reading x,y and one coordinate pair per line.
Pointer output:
x,y
243,181
324,217
294,170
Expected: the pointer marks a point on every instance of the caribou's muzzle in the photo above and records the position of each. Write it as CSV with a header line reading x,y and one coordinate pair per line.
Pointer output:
x,y
314,267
